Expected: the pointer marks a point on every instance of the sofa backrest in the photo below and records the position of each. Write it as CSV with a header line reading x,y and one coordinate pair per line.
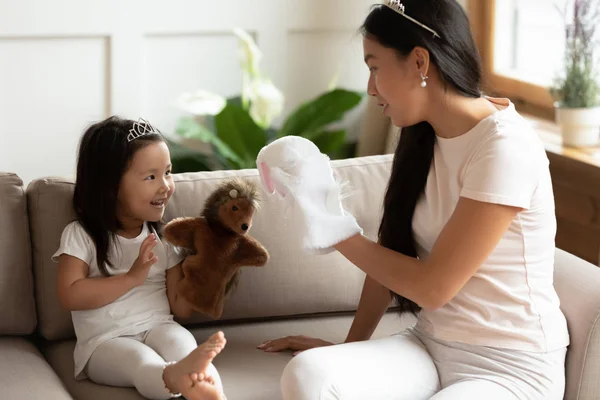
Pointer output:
x,y
17,313
292,283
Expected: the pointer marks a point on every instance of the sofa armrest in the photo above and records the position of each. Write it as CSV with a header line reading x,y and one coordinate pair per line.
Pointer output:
x,y
577,283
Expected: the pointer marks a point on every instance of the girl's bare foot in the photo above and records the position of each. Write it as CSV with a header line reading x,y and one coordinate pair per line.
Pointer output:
x,y
203,390
201,377
178,377
203,387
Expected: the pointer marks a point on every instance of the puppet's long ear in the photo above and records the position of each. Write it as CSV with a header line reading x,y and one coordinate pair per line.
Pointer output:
x,y
274,180
265,176
281,181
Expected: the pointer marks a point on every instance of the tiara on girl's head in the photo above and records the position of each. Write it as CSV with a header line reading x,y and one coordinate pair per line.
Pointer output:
x,y
141,128
397,6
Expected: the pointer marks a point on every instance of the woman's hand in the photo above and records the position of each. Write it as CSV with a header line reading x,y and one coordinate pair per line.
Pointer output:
x,y
179,306
295,343
295,168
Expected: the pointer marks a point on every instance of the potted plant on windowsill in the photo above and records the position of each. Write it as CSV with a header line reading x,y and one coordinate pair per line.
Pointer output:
x,y
576,91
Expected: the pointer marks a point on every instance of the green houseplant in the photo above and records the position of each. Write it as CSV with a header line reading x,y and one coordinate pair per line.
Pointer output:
x,y
577,91
235,129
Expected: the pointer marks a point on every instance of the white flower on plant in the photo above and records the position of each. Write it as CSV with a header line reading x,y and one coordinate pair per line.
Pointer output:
x,y
266,101
201,103
250,54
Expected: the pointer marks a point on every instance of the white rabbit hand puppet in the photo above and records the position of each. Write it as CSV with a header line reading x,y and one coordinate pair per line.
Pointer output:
x,y
294,168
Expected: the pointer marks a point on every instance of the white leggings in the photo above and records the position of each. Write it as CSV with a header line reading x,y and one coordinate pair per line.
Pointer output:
x,y
414,366
138,361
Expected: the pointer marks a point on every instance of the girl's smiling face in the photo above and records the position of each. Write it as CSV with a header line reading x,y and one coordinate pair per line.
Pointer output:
x,y
146,186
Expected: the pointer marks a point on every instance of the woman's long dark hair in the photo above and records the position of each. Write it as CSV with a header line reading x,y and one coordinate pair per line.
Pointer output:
x,y
104,156
457,60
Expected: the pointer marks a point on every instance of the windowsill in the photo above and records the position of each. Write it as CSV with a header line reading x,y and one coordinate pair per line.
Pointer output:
x,y
522,77
550,134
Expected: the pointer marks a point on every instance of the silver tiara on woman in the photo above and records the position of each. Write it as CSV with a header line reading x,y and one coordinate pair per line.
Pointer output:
x,y
141,128
397,6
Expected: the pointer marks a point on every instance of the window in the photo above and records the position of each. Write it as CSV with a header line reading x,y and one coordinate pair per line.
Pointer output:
x,y
529,39
522,45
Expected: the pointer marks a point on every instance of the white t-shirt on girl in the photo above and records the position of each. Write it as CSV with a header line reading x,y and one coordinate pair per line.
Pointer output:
x,y
138,310
510,302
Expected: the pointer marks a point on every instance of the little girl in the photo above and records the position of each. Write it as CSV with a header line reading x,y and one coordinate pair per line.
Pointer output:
x,y
118,278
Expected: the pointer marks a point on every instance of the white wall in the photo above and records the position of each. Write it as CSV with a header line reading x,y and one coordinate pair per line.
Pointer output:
x,y
67,63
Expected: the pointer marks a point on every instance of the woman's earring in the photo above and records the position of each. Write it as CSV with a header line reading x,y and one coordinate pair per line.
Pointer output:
x,y
423,80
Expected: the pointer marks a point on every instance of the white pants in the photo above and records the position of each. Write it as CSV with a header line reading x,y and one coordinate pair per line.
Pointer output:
x,y
414,366
138,361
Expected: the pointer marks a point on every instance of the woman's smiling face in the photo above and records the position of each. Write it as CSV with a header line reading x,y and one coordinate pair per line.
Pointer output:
x,y
395,82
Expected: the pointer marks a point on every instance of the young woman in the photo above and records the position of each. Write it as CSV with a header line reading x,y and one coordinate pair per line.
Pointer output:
x,y
466,241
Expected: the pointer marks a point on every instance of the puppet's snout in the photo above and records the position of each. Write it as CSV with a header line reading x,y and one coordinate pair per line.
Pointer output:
x,y
243,225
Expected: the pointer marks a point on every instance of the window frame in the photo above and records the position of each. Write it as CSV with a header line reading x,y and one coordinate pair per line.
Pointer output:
x,y
526,96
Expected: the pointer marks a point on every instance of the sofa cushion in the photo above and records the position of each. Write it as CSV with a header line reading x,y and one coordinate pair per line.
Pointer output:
x,y
17,314
25,374
291,283
247,373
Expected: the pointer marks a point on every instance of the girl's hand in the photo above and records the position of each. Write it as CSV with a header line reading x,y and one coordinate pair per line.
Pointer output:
x,y
295,343
139,271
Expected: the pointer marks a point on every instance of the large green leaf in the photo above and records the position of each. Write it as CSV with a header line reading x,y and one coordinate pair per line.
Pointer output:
x,y
188,128
329,142
237,128
236,101
316,114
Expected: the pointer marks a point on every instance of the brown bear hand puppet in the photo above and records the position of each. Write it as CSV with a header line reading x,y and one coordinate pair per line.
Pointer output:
x,y
219,245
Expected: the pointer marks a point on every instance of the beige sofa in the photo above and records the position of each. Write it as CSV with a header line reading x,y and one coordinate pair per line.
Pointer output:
x,y
293,294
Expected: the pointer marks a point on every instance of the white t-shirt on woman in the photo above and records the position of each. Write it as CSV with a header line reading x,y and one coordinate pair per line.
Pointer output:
x,y
510,302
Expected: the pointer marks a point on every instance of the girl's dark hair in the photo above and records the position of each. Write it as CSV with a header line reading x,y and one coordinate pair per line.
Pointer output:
x,y
104,156
457,60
